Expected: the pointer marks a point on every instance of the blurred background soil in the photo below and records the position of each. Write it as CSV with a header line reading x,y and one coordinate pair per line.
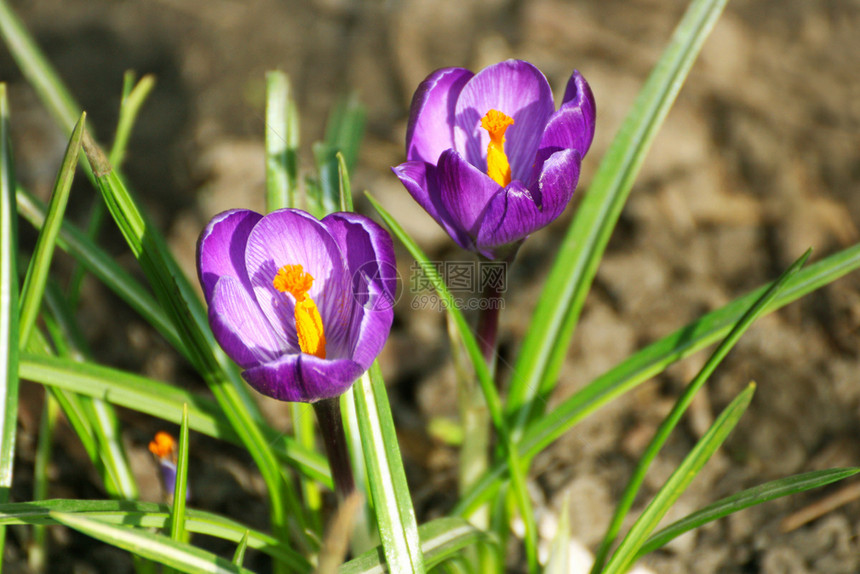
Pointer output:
x,y
758,160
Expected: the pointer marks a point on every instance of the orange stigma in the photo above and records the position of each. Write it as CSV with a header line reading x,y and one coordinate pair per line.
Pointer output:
x,y
294,280
163,445
498,168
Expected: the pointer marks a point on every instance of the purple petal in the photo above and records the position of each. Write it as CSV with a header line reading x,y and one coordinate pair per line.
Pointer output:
x,y
303,378
419,179
372,324
221,248
465,192
519,211
431,116
517,89
291,237
240,327
572,126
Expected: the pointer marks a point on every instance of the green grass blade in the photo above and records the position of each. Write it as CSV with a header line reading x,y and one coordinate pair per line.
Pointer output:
x,y
37,273
344,186
103,267
41,481
678,482
132,101
625,503
744,499
9,319
441,539
163,401
488,387
558,561
392,502
180,487
239,554
345,128
156,547
282,143
652,360
151,515
548,337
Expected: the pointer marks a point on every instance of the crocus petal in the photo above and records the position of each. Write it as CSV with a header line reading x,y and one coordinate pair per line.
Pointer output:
x,y
419,179
290,237
431,115
303,378
465,191
572,126
514,214
517,89
221,248
240,327
371,326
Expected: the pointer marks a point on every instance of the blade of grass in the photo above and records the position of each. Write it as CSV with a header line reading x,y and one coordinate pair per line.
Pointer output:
x,y
151,515
392,502
156,547
441,539
38,552
652,360
163,401
180,487
282,143
548,337
744,499
9,318
37,273
625,503
678,482
482,371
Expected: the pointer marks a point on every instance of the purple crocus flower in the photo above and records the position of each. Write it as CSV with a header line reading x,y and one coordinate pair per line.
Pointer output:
x,y
303,306
489,157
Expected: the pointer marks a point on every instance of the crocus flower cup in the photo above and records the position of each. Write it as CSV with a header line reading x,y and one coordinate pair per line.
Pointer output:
x,y
488,155
302,305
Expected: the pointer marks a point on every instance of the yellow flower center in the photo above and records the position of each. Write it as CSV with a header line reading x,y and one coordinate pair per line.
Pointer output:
x,y
498,168
294,280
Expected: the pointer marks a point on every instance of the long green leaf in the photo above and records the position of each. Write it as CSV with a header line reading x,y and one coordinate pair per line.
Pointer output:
x,y
652,360
8,309
744,499
678,482
151,515
485,379
37,272
157,547
395,515
160,400
441,540
625,503
548,337
282,143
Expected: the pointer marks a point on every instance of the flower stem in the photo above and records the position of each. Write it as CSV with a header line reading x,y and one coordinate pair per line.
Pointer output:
x,y
334,438
488,317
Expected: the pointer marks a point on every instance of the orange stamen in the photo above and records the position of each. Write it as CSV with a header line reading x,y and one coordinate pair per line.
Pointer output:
x,y
498,168
163,445
294,280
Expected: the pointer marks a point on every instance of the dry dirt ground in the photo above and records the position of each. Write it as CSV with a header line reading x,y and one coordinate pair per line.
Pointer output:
x,y
758,160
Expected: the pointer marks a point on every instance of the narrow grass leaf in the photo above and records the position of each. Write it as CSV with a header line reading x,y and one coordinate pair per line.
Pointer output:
x,y
558,561
548,337
744,499
151,515
180,487
239,554
344,186
40,264
625,503
678,482
163,401
485,379
441,539
392,502
345,128
282,143
156,547
41,481
132,101
9,319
